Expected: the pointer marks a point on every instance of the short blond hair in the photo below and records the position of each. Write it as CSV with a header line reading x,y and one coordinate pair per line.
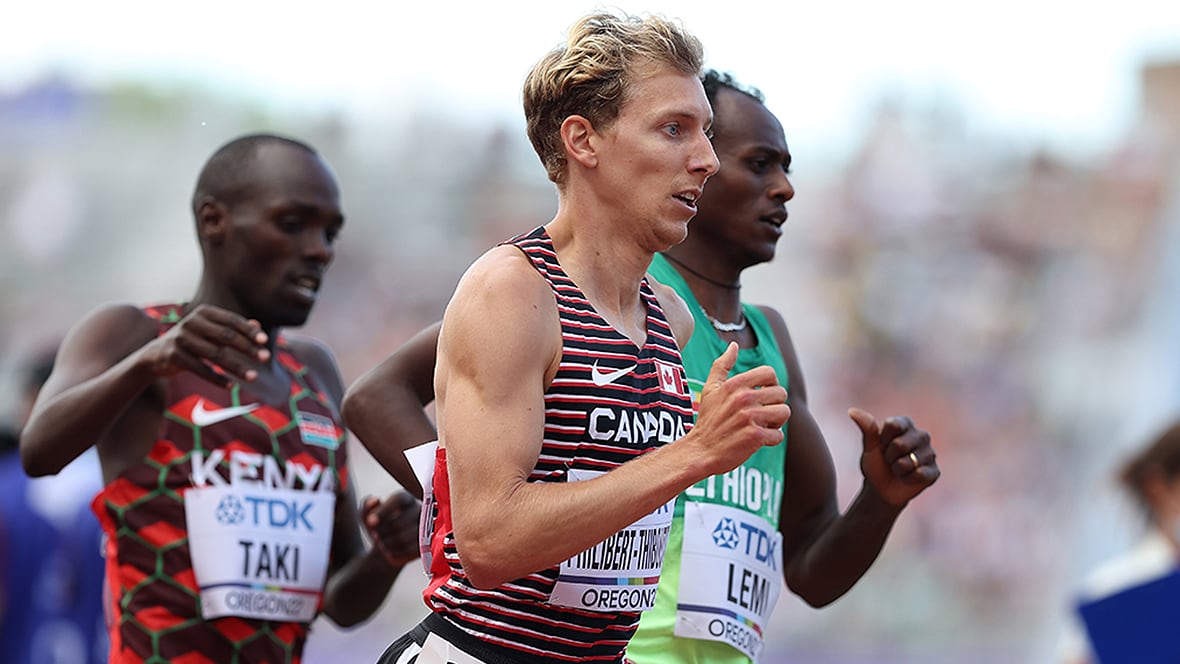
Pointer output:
x,y
591,74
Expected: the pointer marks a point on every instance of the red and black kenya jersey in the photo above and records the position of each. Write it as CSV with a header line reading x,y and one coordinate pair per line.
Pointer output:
x,y
209,434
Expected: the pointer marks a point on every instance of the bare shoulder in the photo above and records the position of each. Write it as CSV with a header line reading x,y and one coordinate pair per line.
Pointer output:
x,y
501,285
499,269
320,360
109,332
773,316
786,347
675,310
502,314
309,349
122,317
779,325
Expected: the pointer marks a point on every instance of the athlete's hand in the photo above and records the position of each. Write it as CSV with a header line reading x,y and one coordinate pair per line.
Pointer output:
x,y
739,414
897,461
392,525
214,343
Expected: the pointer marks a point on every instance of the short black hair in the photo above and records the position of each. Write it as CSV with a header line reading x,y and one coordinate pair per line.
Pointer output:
x,y
715,81
224,175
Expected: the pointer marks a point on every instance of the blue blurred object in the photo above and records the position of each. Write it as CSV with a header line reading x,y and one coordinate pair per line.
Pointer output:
x,y
1137,625
51,565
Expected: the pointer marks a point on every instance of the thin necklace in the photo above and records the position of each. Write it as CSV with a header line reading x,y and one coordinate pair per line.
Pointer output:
x,y
719,284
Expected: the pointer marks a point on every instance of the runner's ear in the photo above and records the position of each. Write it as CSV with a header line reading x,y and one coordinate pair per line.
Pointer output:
x,y
212,218
579,138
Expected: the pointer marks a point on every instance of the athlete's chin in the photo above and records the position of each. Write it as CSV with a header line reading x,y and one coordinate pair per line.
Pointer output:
x,y
766,254
291,317
672,234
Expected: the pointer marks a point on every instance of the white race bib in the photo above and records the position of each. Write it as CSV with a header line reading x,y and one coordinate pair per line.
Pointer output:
x,y
620,573
731,574
422,458
259,552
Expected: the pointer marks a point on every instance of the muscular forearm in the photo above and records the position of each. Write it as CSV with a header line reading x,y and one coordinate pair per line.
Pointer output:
x,y
843,551
355,591
540,524
66,424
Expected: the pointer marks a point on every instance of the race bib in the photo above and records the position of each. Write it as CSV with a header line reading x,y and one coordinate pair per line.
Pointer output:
x,y
730,576
259,552
622,572
422,459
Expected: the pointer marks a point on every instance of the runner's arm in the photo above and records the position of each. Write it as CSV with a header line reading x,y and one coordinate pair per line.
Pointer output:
x,y
824,552
384,408
108,361
359,579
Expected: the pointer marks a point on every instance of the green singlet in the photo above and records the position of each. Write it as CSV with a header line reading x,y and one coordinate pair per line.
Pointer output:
x,y
734,515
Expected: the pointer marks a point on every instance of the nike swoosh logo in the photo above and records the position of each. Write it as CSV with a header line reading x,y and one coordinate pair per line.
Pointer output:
x,y
601,378
203,417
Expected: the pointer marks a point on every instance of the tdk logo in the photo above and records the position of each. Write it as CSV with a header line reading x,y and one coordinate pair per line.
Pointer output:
x,y
749,538
265,512
725,535
230,511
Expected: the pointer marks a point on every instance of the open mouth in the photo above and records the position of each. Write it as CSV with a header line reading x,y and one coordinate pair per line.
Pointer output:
x,y
688,198
306,286
776,219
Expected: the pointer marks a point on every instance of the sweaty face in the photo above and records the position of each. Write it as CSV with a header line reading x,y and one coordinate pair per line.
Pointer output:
x,y
655,157
281,236
744,206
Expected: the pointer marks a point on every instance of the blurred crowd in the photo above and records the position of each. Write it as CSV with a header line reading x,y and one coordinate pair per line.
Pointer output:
x,y
1012,299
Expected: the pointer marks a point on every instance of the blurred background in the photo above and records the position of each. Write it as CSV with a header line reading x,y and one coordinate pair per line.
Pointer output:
x,y
985,236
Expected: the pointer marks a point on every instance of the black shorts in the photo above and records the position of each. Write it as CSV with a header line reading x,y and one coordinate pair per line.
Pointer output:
x,y
405,649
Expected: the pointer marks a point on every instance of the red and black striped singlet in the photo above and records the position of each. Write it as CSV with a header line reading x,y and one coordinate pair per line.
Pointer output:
x,y
598,415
